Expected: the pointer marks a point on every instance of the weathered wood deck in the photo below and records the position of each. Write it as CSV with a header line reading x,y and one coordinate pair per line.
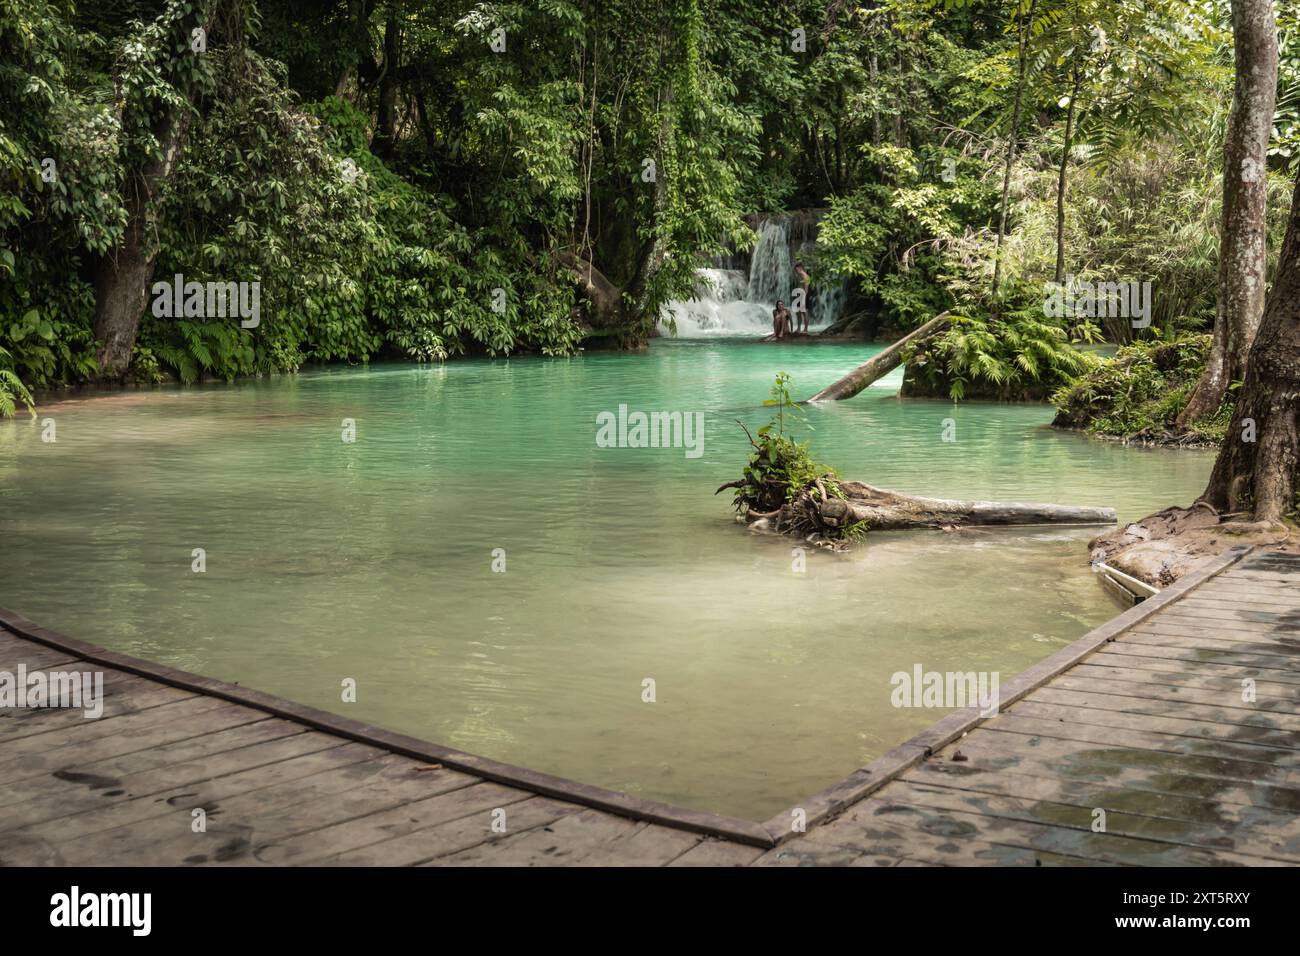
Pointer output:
x,y
1143,718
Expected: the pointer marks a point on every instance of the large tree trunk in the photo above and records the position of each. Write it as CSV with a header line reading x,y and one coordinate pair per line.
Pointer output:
x,y
1022,55
1242,256
879,365
604,297
123,275
386,122
1256,468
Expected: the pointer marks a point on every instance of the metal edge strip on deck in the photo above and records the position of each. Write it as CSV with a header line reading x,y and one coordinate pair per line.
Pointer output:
x,y
832,801
817,808
599,798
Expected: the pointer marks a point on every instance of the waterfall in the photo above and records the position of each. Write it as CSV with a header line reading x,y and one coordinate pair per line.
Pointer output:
x,y
827,303
771,275
729,301
719,307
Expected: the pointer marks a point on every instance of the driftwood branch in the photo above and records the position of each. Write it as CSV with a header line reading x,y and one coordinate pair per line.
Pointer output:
x,y
880,365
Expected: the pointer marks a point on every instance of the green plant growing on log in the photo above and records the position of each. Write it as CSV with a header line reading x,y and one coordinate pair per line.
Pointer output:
x,y
782,481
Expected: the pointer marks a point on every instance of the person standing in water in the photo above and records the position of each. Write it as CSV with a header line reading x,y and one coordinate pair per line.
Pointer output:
x,y
801,307
780,319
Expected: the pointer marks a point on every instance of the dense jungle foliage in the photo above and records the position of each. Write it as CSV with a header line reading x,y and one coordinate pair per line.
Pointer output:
x,y
432,179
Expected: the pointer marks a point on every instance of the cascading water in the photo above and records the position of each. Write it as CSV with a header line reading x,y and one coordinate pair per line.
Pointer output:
x,y
719,307
727,301
771,274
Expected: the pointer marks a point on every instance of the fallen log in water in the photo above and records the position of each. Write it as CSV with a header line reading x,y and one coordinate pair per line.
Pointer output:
x,y
876,509
886,510
878,366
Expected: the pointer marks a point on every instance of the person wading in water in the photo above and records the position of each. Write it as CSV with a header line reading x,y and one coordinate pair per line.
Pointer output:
x,y
801,307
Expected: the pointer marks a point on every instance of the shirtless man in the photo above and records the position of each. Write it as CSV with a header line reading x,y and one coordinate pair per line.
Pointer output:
x,y
780,319
801,316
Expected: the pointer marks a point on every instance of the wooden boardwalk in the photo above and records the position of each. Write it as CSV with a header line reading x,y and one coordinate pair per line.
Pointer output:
x,y
1169,736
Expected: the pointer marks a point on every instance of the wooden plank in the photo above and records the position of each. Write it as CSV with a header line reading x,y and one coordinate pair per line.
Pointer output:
x,y
1267,640
1263,647
1230,601
120,697
104,774
205,716
1196,695
1242,618
244,829
1229,589
1040,824
1264,662
1044,709
457,835
804,852
1249,755
1194,625
294,779
408,817
1265,577
1196,619
98,790
715,852
35,657
87,730
1198,674
990,752
563,843
1232,820
240,826
1267,730
881,837
588,838
651,845
1211,765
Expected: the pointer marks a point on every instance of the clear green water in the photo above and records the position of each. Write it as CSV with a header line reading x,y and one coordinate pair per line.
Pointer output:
x,y
372,560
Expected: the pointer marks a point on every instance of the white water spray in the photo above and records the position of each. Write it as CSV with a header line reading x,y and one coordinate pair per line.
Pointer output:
x,y
729,302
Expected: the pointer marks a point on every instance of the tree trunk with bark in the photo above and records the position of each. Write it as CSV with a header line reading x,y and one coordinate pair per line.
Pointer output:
x,y
123,275
879,365
1242,255
1256,468
382,142
1022,56
1252,489
1063,176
